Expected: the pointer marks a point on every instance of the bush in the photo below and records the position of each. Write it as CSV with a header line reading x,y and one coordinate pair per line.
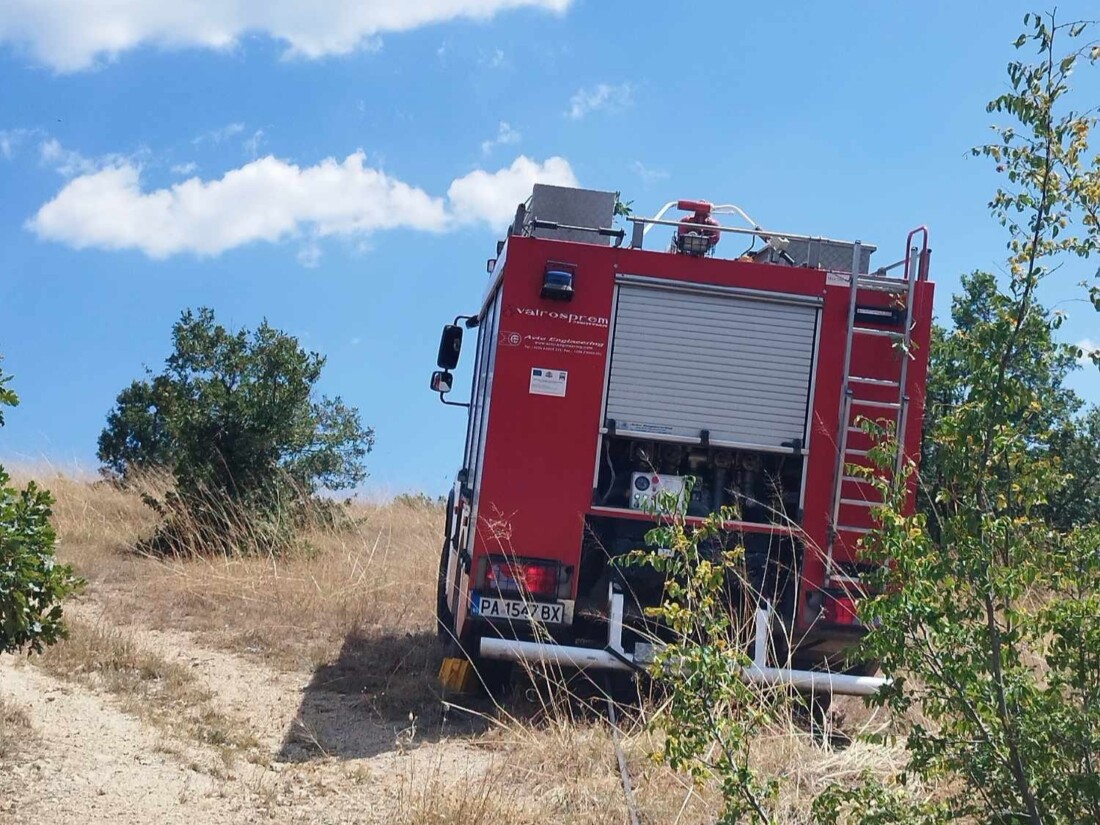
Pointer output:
x,y
32,583
419,501
233,417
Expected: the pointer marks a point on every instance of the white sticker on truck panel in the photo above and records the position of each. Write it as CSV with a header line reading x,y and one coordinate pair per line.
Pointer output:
x,y
548,382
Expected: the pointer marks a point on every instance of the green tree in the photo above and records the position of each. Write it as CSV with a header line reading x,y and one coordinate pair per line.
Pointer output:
x,y
1077,443
988,612
32,583
235,419
136,438
1042,365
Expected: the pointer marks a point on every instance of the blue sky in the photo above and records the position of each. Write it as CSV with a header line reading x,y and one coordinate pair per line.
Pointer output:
x,y
344,167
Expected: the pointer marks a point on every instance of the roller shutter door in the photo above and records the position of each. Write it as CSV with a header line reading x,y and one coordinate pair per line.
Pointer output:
x,y
688,361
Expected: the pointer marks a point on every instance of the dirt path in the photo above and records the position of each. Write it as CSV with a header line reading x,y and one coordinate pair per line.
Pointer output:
x,y
94,764
321,757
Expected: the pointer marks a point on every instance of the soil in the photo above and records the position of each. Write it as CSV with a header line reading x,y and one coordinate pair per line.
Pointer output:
x,y
324,753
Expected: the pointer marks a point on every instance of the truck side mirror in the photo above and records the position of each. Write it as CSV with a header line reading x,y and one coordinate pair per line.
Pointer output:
x,y
450,344
442,381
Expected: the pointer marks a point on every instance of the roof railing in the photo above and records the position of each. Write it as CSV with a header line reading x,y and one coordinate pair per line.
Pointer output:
x,y
641,224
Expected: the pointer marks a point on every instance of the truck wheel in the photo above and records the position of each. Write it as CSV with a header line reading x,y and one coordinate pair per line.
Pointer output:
x,y
817,705
494,677
444,619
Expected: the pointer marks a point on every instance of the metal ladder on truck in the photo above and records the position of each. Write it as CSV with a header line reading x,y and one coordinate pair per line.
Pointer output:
x,y
875,397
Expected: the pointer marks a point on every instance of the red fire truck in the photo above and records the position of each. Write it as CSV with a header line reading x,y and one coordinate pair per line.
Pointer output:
x,y
605,372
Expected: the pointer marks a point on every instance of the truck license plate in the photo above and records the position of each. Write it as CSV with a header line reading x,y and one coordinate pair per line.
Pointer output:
x,y
543,612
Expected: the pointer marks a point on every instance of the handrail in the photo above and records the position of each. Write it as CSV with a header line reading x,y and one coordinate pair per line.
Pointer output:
x,y
922,261
736,230
733,208
605,231
660,214
718,209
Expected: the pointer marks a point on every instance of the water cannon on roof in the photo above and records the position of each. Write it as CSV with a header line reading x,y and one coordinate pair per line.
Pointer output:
x,y
696,234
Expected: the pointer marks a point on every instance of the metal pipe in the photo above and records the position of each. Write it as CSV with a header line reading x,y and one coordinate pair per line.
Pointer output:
x,y
615,658
511,650
649,223
728,208
760,646
690,439
582,657
815,681
615,620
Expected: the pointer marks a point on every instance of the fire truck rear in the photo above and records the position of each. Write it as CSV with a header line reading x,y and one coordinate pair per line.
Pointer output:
x,y
605,373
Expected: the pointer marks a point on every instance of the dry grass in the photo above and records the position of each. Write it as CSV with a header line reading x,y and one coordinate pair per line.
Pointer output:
x,y
164,693
355,606
16,730
564,761
439,800
373,575
548,772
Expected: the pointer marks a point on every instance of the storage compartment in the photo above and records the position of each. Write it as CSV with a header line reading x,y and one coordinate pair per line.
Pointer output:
x,y
725,367
572,207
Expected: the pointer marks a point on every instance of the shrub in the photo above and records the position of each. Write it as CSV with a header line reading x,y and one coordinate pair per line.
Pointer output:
x,y
32,583
234,418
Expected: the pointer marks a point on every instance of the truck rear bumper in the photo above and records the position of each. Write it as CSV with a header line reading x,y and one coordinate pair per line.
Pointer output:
x,y
614,657
511,650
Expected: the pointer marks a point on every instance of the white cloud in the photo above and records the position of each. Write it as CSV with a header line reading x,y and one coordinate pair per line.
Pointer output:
x,y
220,134
492,196
12,139
1088,347
252,145
506,136
185,169
70,35
272,200
9,141
648,176
493,60
265,200
309,254
70,163
65,161
601,96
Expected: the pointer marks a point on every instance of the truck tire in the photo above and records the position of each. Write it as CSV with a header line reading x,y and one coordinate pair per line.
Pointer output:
x,y
494,677
817,705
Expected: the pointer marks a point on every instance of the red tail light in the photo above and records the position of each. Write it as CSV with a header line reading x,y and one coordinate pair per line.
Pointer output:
x,y
510,576
841,610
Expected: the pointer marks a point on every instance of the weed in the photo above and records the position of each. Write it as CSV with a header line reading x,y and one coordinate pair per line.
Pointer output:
x,y
15,729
